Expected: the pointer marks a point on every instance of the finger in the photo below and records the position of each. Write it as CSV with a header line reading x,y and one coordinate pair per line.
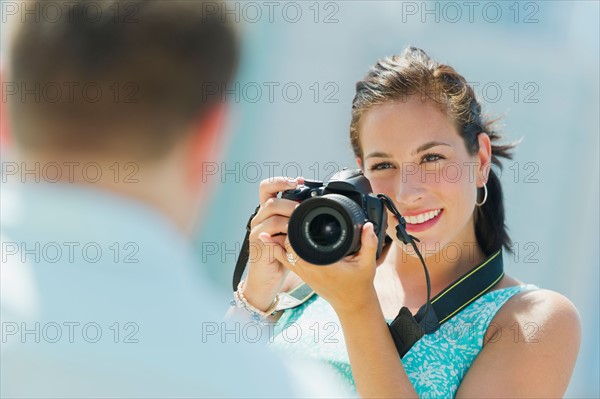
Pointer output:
x,y
369,242
272,245
274,206
270,187
272,226
270,240
279,239
288,246
280,253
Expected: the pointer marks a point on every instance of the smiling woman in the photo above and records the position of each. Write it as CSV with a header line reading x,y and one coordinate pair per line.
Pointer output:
x,y
415,175
420,138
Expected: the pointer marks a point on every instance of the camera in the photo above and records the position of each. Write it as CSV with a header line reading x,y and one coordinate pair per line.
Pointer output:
x,y
326,226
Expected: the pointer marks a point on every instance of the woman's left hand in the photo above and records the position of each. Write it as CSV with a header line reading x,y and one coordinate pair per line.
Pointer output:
x,y
348,284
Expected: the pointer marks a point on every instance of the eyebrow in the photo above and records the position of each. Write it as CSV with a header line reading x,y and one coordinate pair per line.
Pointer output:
x,y
427,146
421,148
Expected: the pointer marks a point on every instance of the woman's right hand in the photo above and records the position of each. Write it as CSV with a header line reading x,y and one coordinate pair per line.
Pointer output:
x,y
268,228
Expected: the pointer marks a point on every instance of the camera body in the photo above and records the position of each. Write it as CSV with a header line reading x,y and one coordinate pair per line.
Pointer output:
x,y
327,225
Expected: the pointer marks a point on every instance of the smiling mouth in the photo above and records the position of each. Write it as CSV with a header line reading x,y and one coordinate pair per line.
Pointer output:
x,y
423,221
422,217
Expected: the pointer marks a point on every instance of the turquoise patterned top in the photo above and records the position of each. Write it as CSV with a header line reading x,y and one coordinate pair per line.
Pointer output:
x,y
436,364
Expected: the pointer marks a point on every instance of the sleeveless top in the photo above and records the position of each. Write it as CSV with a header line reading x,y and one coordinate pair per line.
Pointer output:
x,y
435,365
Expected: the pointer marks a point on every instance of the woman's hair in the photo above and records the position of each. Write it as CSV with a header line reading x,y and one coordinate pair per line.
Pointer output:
x,y
415,73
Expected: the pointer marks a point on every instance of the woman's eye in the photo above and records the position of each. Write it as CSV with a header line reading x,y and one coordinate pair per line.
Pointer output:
x,y
431,158
381,166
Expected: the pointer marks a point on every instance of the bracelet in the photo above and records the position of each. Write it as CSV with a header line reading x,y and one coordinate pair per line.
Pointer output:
x,y
257,315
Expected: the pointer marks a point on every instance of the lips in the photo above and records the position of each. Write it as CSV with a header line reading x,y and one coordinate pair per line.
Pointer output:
x,y
421,217
423,220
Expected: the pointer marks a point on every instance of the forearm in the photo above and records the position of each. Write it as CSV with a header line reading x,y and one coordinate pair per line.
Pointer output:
x,y
376,365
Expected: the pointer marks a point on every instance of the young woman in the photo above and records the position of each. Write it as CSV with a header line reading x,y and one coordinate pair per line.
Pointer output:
x,y
419,136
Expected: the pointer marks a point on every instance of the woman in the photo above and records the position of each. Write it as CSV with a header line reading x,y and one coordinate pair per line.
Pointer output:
x,y
419,136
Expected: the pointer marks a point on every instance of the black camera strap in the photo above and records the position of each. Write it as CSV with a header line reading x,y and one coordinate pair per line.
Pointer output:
x,y
407,329
242,260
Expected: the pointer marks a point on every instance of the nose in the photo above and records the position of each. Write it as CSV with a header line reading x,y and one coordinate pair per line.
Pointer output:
x,y
410,190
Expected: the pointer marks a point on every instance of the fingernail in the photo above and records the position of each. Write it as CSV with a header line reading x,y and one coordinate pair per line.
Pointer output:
x,y
372,228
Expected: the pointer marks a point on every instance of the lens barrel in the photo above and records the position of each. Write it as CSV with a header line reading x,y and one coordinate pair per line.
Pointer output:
x,y
325,229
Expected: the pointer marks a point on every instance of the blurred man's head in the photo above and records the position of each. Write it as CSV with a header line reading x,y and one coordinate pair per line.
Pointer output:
x,y
130,81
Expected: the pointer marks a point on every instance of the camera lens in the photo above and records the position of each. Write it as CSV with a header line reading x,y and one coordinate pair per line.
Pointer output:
x,y
323,230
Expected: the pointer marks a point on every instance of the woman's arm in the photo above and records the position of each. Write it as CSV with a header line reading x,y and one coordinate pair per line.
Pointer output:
x,y
348,287
540,366
376,366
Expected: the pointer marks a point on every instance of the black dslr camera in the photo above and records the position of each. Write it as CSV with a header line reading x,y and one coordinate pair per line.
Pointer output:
x,y
326,227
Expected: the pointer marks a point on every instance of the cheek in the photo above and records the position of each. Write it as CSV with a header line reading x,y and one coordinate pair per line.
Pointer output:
x,y
452,172
384,186
468,184
458,187
381,185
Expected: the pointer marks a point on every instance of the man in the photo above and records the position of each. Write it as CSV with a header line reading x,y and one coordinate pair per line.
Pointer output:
x,y
113,108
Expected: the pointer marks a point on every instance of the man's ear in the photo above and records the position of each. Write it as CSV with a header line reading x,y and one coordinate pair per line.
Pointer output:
x,y
484,156
206,142
4,133
360,164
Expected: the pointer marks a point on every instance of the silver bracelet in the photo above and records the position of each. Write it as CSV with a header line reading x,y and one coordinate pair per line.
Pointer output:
x,y
257,315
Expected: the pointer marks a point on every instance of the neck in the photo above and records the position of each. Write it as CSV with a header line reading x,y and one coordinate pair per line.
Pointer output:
x,y
444,267
158,183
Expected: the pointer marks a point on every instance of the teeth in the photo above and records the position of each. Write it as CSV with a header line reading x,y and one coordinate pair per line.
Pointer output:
x,y
423,217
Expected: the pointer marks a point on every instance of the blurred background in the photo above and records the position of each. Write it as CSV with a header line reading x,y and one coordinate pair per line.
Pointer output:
x,y
535,64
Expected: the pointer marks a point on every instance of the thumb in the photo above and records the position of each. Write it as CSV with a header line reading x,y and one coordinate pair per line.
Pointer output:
x,y
368,241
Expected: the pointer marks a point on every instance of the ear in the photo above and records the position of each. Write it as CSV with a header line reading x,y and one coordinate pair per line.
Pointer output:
x,y
484,156
360,164
4,133
205,143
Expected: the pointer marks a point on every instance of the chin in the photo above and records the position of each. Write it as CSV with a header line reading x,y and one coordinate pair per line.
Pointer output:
x,y
426,247
429,246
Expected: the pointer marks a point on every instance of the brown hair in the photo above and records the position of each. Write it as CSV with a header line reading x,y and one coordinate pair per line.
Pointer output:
x,y
154,62
415,73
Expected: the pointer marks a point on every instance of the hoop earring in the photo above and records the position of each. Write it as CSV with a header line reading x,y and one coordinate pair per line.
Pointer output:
x,y
485,193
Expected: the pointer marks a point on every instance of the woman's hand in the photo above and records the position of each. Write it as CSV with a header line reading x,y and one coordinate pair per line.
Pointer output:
x,y
348,284
266,273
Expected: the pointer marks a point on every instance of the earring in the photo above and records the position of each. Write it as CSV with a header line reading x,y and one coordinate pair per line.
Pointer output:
x,y
484,196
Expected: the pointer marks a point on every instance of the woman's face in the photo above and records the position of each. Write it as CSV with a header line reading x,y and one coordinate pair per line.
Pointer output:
x,y
413,153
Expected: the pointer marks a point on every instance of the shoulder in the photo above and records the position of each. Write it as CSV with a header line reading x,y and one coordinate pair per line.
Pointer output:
x,y
536,308
530,348
541,312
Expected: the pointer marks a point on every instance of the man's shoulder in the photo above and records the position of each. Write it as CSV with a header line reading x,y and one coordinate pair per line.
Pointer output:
x,y
125,310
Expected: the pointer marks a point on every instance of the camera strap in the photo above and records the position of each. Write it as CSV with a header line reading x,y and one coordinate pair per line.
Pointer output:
x,y
287,300
405,329
242,260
